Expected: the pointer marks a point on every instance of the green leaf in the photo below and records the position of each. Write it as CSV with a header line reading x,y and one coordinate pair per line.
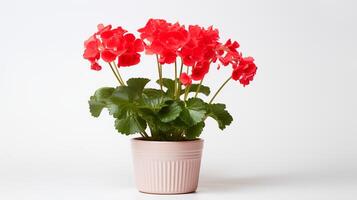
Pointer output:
x,y
217,111
203,89
170,112
152,119
195,131
131,92
124,105
130,124
137,84
153,99
178,124
194,112
114,110
122,94
99,100
153,92
103,93
95,107
169,84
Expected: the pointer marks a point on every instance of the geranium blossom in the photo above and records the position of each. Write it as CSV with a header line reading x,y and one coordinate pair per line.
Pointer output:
x,y
111,45
244,71
185,79
92,53
132,47
200,70
228,53
200,50
201,46
164,39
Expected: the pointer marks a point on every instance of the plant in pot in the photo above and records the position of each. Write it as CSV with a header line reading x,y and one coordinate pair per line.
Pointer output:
x,y
171,117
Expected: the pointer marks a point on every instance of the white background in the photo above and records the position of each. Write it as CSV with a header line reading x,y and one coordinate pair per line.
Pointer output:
x,y
294,134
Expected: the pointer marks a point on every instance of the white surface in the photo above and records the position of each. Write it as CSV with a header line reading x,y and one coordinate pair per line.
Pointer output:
x,y
294,135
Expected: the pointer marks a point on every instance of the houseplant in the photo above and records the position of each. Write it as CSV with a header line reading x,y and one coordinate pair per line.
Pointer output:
x,y
169,118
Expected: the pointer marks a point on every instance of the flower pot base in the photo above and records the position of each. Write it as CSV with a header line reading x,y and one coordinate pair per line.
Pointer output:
x,y
167,193
167,167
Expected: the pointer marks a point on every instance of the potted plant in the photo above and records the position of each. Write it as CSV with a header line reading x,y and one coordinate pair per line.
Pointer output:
x,y
170,118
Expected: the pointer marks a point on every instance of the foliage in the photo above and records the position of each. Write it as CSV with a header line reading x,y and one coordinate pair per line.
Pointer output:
x,y
136,108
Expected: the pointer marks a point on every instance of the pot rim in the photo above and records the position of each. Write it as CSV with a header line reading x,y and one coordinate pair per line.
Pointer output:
x,y
140,139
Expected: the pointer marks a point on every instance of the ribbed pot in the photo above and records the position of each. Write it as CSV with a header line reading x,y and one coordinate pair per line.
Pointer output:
x,y
165,167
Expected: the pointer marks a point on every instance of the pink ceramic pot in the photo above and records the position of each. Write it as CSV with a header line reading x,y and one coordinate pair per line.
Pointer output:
x,y
164,167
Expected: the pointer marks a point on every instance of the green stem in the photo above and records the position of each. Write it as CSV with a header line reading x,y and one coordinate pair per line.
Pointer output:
x,y
178,93
219,89
198,88
117,70
159,69
187,89
175,89
145,134
142,135
181,68
115,74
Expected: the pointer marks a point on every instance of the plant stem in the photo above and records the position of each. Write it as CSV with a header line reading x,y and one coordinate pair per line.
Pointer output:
x,y
115,74
178,93
145,134
117,70
142,135
175,90
187,89
159,69
198,88
219,89
181,67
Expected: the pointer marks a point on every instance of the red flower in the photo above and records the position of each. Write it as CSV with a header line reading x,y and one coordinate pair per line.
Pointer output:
x,y
245,71
95,66
101,28
110,44
200,70
113,43
128,59
232,46
164,39
228,53
131,55
152,29
108,55
92,53
167,56
201,46
185,79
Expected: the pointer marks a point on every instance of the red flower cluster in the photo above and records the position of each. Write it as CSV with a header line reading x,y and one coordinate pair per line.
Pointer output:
x,y
244,71
197,47
228,53
200,50
110,44
163,39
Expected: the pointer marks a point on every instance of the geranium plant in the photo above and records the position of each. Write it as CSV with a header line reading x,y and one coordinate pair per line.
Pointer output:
x,y
173,111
